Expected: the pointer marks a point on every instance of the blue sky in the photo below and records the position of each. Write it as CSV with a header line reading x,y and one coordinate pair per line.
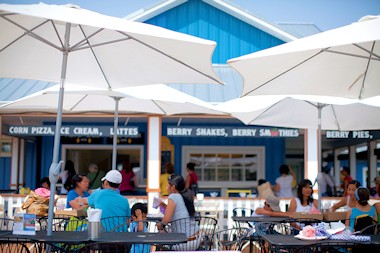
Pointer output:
x,y
326,14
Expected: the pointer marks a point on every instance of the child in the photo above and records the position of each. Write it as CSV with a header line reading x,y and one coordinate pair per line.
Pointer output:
x,y
139,224
362,208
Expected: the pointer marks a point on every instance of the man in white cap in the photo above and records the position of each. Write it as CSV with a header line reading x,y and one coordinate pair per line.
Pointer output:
x,y
271,208
107,199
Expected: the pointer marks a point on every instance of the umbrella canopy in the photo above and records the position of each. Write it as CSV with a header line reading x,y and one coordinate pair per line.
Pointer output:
x,y
104,51
302,112
342,62
148,99
311,112
66,43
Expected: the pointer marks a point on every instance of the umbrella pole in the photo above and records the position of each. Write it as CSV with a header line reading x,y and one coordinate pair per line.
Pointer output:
x,y
55,166
115,125
319,151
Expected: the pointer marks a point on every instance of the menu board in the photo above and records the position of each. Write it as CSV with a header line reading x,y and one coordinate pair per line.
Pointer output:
x,y
24,224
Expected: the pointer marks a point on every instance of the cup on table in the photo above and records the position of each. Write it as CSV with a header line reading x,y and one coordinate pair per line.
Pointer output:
x,y
200,196
94,229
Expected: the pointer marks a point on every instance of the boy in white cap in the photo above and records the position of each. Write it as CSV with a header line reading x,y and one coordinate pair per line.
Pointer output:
x,y
112,203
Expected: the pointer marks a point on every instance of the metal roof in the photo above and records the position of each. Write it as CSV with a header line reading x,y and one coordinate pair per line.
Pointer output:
x,y
12,89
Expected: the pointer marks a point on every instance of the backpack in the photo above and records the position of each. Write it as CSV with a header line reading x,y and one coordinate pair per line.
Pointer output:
x,y
363,221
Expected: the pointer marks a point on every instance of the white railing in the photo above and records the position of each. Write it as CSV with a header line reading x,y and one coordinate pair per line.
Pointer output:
x,y
224,206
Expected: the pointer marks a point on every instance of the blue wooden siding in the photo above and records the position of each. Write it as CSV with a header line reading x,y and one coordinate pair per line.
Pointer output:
x,y
31,177
233,36
5,173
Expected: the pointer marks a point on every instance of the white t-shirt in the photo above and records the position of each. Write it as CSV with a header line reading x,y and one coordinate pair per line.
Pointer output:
x,y
285,186
324,180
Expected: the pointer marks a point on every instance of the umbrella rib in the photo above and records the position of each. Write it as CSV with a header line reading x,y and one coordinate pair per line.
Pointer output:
x,y
77,103
372,55
159,107
171,57
282,73
267,109
85,40
335,117
365,73
30,33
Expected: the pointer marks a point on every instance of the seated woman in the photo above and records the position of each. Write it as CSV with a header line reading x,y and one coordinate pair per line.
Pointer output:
x,y
362,208
80,183
304,202
180,206
349,200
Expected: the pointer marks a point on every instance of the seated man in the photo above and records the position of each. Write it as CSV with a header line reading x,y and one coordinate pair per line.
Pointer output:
x,y
271,208
107,199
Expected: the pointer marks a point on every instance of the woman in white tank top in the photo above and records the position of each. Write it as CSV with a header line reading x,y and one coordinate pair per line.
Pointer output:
x,y
304,201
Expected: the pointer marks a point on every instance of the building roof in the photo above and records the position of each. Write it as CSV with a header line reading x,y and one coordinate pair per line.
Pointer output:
x,y
233,10
12,89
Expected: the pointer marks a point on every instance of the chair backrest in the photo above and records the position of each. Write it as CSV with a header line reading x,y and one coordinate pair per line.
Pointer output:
x,y
115,224
6,224
364,224
242,211
228,239
197,229
275,228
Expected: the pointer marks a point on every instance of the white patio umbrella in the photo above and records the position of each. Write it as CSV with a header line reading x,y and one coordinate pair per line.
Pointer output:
x,y
66,43
148,99
343,62
298,111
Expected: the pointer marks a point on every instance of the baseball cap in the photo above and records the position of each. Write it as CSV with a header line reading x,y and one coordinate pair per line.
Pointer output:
x,y
113,176
274,203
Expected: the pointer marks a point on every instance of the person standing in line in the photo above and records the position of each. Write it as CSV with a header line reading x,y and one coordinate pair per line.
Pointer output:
x,y
95,175
347,178
169,170
66,176
325,183
284,183
191,178
127,186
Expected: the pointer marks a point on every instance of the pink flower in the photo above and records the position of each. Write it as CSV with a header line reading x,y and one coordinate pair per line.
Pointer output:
x,y
308,231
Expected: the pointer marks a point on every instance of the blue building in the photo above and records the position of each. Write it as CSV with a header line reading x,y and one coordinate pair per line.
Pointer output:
x,y
227,153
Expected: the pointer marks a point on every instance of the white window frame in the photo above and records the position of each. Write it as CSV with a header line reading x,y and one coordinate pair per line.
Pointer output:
x,y
258,150
140,176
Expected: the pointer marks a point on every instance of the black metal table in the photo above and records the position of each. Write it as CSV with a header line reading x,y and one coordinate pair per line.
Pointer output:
x,y
72,241
259,219
289,243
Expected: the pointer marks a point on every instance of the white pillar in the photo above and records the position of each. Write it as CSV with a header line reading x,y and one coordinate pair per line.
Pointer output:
x,y
21,167
352,152
311,153
372,163
14,163
336,168
154,159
